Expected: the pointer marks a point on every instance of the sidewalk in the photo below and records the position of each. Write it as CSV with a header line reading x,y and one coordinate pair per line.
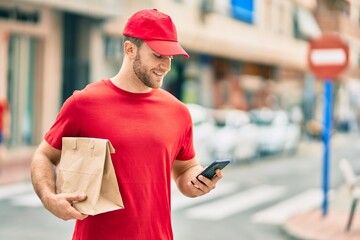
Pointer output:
x,y
16,165
312,225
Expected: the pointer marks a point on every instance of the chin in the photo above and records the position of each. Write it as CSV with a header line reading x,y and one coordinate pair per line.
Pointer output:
x,y
157,84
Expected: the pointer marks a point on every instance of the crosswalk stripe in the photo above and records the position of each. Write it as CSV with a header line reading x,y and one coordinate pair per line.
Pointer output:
x,y
237,203
179,201
279,213
13,189
26,200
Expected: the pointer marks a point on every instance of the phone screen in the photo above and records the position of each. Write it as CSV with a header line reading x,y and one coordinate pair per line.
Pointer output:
x,y
209,172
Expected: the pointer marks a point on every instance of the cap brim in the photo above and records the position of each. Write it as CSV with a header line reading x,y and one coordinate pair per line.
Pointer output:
x,y
166,48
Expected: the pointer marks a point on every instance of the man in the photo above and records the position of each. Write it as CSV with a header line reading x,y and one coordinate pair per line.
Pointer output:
x,y
150,130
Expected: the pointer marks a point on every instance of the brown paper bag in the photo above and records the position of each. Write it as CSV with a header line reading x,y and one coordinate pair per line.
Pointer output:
x,y
86,167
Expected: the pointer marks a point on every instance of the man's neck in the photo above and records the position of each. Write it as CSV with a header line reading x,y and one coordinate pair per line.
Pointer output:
x,y
129,83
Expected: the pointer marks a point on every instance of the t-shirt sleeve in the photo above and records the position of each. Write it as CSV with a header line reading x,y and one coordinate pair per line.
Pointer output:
x,y
187,151
65,124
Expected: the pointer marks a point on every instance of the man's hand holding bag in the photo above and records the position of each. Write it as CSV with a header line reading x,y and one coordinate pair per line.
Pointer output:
x,y
86,167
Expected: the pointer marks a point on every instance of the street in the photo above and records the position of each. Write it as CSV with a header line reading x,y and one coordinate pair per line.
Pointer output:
x,y
251,202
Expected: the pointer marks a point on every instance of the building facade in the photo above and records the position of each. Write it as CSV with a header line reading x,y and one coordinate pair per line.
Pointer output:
x,y
46,50
244,54
343,17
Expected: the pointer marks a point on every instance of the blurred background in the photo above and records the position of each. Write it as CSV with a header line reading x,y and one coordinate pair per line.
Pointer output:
x,y
247,85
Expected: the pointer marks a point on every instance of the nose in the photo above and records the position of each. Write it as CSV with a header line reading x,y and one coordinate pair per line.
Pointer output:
x,y
166,63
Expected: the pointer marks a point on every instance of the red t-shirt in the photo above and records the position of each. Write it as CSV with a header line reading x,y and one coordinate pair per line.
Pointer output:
x,y
4,106
148,131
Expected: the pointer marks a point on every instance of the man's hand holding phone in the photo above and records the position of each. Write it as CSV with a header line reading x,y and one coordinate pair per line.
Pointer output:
x,y
205,181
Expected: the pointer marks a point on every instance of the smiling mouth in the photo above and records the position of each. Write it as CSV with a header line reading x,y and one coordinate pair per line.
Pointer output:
x,y
159,74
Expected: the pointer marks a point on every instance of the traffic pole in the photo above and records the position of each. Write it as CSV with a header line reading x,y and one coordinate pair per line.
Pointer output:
x,y
328,56
328,89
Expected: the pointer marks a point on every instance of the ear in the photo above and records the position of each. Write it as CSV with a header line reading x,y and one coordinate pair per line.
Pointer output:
x,y
130,49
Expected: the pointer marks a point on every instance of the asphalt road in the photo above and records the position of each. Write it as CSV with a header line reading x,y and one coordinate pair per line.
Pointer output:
x,y
252,202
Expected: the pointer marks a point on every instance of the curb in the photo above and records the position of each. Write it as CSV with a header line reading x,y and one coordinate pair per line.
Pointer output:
x,y
312,225
291,234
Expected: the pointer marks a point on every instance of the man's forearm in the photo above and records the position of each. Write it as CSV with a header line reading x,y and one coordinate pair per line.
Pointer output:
x,y
185,178
42,176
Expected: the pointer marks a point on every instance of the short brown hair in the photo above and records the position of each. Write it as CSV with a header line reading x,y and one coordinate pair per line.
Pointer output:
x,y
137,41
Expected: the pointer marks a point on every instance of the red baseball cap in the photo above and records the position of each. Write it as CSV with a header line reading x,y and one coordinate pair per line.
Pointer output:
x,y
157,30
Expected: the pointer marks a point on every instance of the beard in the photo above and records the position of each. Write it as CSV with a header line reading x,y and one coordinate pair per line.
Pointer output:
x,y
141,72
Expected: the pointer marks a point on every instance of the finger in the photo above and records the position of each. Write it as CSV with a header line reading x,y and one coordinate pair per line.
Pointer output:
x,y
204,180
75,214
204,184
195,184
219,173
195,187
75,197
83,216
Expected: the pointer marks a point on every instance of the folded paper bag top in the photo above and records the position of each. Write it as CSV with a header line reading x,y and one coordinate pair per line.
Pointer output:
x,y
86,167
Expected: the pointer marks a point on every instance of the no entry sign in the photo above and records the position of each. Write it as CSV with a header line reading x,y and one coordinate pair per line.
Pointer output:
x,y
328,56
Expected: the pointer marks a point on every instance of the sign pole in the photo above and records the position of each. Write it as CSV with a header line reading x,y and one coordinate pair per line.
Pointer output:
x,y
328,89
328,56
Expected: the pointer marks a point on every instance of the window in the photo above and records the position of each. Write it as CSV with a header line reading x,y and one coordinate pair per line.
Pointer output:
x,y
19,14
305,25
113,48
22,87
243,10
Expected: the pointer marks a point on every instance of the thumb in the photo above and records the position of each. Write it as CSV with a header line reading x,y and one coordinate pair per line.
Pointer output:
x,y
72,197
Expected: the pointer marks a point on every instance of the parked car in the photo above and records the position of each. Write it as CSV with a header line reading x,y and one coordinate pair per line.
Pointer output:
x,y
277,134
237,139
203,129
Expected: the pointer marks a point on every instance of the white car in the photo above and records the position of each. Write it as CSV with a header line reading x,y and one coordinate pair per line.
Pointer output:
x,y
237,139
276,133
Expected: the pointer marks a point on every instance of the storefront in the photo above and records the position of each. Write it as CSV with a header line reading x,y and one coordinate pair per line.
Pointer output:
x,y
46,52
222,83
30,69
22,87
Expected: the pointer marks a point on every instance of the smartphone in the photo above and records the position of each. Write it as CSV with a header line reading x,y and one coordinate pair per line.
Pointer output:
x,y
209,172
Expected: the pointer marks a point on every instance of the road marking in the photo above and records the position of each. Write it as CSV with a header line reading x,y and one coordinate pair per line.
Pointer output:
x,y
14,189
179,201
237,203
26,200
279,213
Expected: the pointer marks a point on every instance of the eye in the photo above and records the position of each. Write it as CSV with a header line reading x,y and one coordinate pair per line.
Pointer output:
x,y
157,55
161,56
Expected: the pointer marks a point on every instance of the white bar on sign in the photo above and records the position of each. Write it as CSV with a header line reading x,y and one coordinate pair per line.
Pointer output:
x,y
328,57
